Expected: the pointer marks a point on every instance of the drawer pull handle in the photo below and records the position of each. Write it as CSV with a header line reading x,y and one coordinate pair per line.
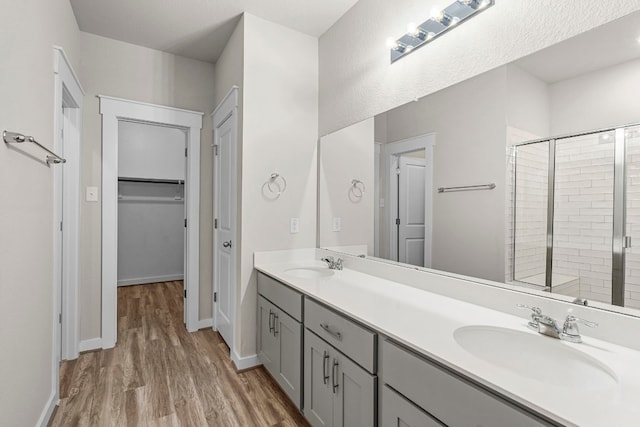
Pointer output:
x,y
334,376
337,335
271,320
325,367
275,324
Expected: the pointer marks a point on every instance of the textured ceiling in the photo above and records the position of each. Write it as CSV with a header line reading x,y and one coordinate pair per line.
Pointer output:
x,y
198,29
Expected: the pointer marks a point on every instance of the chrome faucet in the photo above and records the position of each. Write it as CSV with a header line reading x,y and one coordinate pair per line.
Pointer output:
x,y
334,264
547,325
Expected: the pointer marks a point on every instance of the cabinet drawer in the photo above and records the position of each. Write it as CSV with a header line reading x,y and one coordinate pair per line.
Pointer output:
x,y
355,341
398,411
281,295
450,399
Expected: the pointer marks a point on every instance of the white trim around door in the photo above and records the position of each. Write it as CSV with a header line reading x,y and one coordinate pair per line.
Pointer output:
x,y
114,110
391,152
67,121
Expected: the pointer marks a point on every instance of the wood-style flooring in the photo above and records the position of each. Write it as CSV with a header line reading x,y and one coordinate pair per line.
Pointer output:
x,y
160,375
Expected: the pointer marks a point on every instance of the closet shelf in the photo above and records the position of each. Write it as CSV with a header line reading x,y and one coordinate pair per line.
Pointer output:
x,y
150,199
154,180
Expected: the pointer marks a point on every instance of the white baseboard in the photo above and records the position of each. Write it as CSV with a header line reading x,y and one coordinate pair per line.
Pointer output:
x,y
48,410
246,362
205,323
150,279
90,344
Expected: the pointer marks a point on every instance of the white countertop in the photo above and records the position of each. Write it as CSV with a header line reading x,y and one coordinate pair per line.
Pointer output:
x,y
426,322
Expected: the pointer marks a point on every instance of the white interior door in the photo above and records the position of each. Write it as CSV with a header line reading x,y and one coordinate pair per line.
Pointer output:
x,y
225,139
58,242
411,210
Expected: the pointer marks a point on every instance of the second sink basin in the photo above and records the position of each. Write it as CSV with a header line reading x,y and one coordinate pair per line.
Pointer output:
x,y
308,272
536,357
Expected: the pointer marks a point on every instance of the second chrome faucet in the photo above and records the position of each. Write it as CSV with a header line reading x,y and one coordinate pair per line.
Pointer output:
x,y
548,326
334,264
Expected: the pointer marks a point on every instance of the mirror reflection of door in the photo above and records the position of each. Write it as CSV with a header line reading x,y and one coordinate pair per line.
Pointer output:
x,y
410,210
408,221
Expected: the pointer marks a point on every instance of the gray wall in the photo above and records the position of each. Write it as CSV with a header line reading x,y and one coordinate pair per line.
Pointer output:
x,y
29,31
147,75
470,126
150,233
603,98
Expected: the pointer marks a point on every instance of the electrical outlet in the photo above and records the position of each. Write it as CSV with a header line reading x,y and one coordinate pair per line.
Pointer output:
x,y
92,194
336,225
294,225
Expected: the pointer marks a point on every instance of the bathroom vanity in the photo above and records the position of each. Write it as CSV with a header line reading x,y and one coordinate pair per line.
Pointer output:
x,y
358,349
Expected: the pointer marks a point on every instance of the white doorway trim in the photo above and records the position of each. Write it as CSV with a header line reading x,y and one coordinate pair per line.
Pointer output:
x,y
113,110
225,111
67,108
391,152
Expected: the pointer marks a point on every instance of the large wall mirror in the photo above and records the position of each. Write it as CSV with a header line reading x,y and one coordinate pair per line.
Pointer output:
x,y
528,174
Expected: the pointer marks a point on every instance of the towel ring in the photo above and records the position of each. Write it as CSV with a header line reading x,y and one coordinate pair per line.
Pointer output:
x,y
274,186
357,188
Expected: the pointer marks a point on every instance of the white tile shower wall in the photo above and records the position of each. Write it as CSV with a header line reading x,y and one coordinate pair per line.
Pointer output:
x,y
583,216
531,171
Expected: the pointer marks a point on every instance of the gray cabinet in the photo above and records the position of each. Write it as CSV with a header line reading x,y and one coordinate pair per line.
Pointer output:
x,y
399,412
337,392
279,343
447,397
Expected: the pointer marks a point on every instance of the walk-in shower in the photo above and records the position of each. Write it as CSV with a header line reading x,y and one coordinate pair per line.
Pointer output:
x,y
576,215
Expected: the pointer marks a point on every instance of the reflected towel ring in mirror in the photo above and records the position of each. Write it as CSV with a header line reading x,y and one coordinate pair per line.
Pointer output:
x,y
274,186
357,189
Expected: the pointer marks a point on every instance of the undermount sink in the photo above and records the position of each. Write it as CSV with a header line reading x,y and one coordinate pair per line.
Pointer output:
x,y
308,272
536,357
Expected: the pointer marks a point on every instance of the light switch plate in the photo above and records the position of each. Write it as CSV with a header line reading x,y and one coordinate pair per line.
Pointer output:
x,y
294,225
336,224
92,194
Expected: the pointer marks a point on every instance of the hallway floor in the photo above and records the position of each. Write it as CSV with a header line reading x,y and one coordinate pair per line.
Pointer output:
x,y
160,375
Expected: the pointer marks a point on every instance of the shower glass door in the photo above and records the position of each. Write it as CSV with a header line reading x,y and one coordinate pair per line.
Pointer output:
x,y
583,202
632,250
530,213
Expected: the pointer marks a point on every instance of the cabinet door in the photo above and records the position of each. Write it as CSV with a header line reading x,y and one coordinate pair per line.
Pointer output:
x,y
353,393
399,412
288,373
318,394
267,341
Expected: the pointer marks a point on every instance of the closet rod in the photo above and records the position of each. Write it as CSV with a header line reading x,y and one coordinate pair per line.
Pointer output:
x,y
157,181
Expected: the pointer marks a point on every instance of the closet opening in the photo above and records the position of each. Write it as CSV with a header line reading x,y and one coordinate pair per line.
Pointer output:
x,y
150,174
151,205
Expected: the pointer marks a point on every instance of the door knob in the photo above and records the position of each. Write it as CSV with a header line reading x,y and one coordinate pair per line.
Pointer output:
x,y
227,244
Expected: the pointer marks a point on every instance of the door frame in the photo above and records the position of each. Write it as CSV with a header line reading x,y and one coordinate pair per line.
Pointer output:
x,y
226,110
391,151
112,111
68,98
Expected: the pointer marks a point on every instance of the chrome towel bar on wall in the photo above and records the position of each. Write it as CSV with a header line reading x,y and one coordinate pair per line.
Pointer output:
x,y
467,188
14,137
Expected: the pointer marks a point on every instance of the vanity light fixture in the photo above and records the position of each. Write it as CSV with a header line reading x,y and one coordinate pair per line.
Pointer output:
x,y
441,21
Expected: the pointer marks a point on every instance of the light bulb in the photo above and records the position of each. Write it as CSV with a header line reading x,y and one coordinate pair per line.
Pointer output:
x,y
454,21
430,35
391,43
412,28
437,14
484,3
408,48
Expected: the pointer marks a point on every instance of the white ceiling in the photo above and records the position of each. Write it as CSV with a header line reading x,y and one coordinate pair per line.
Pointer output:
x,y
604,46
198,29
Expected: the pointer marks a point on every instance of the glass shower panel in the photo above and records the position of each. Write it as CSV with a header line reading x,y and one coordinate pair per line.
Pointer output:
x,y
530,224
583,216
632,254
